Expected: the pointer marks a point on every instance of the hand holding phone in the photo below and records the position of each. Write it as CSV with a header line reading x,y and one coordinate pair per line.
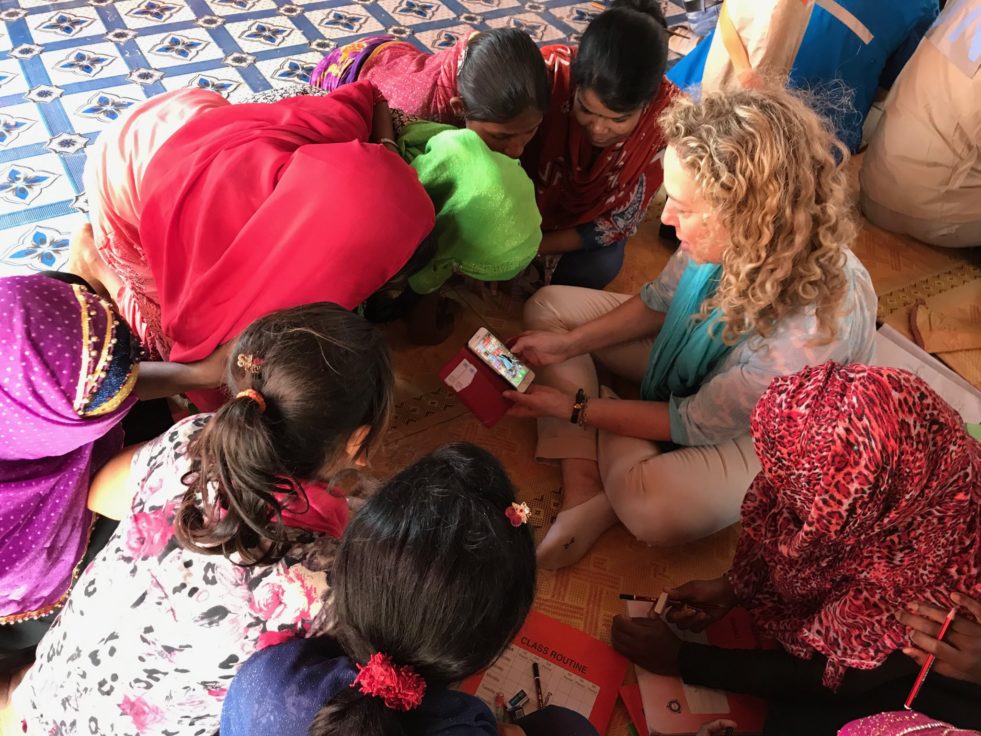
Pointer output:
x,y
544,348
499,359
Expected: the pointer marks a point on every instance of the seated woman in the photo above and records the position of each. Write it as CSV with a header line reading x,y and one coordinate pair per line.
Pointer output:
x,y
846,51
922,173
70,375
492,82
445,609
763,284
869,499
487,223
219,550
211,214
596,162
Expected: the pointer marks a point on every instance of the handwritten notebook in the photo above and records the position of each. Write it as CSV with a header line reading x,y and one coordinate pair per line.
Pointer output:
x,y
577,671
672,707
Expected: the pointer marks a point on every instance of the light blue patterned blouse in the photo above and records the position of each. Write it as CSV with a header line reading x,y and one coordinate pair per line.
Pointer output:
x,y
721,408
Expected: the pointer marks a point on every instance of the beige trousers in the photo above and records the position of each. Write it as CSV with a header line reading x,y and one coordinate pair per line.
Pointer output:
x,y
932,231
662,497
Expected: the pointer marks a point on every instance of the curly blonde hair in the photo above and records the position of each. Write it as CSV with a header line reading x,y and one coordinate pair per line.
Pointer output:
x,y
772,171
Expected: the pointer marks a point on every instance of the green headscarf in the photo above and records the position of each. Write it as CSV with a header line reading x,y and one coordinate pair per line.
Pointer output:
x,y
487,221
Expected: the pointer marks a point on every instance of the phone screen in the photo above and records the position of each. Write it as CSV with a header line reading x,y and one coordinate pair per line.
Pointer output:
x,y
502,360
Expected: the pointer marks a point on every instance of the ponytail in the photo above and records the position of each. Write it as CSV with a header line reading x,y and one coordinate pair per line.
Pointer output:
x,y
352,713
306,379
230,499
433,573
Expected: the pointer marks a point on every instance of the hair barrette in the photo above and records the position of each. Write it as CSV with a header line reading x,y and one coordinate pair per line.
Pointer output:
x,y
249,363
518,513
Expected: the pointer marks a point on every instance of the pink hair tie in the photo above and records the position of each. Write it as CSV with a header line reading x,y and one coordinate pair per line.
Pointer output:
x,y
401,688
517,513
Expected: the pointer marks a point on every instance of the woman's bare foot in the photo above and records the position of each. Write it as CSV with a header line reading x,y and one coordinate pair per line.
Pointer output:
x,y
580,482
584,515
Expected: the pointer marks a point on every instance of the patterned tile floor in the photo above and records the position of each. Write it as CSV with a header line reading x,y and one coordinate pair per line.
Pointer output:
x,y
69,68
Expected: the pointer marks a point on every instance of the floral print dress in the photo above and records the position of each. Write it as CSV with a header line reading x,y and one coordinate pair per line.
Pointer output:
x,y
153,634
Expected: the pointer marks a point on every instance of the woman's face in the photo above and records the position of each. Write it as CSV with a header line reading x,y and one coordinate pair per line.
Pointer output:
x,y
603,126
511,136
686,210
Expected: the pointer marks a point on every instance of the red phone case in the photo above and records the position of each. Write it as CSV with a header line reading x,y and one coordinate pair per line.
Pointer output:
x,y
478,387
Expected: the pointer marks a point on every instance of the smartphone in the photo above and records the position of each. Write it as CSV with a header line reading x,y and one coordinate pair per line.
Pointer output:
x,y
501,360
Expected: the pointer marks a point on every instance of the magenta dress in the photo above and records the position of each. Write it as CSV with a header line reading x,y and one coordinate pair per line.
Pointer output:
x,y
66,380
416,82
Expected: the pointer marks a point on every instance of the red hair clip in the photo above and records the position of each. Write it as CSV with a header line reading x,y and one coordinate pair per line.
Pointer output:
x,y
249,363
518,513
401,688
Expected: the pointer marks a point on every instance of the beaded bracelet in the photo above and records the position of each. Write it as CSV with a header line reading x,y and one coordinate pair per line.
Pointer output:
x,y
579,408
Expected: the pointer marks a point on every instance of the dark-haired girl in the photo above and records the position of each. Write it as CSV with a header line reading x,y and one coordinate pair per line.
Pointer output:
x,y
492,82
434,577
218,550
596,162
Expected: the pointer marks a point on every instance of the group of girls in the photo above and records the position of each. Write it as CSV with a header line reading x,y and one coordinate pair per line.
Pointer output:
x,y
240,591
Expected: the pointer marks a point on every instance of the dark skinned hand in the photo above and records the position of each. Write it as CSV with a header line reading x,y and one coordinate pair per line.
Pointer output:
x,y
647,642
700,603
959,654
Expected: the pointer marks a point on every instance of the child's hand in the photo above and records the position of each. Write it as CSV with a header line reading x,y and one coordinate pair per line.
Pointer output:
x,y
716,728
647,642
959,654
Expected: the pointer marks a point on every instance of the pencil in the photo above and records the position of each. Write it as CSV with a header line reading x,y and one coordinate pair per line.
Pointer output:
x,y
538,684
925,669
648,599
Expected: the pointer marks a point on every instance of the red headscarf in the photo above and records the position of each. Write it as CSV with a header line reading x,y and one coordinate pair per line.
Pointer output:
x,y
258,207
578,184
869,498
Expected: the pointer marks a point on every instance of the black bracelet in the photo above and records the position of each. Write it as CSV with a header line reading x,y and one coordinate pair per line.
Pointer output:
x,y
578,406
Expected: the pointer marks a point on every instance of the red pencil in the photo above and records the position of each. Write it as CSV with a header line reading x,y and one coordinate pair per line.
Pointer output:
x,y
925,669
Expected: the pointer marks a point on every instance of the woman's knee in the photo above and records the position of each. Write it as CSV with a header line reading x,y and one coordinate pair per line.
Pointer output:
x,y
664,509
544,310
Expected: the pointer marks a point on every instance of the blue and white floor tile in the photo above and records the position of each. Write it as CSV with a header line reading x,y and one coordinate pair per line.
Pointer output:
x,y
68,68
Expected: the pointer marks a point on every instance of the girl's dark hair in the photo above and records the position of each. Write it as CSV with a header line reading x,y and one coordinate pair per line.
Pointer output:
x,y
431,573
502,76
323,372
623,54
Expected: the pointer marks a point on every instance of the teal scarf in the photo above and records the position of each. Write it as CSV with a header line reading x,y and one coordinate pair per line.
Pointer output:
x,y
686,350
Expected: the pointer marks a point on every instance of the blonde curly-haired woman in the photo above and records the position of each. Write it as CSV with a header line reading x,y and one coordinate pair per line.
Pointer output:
x,y
764,283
